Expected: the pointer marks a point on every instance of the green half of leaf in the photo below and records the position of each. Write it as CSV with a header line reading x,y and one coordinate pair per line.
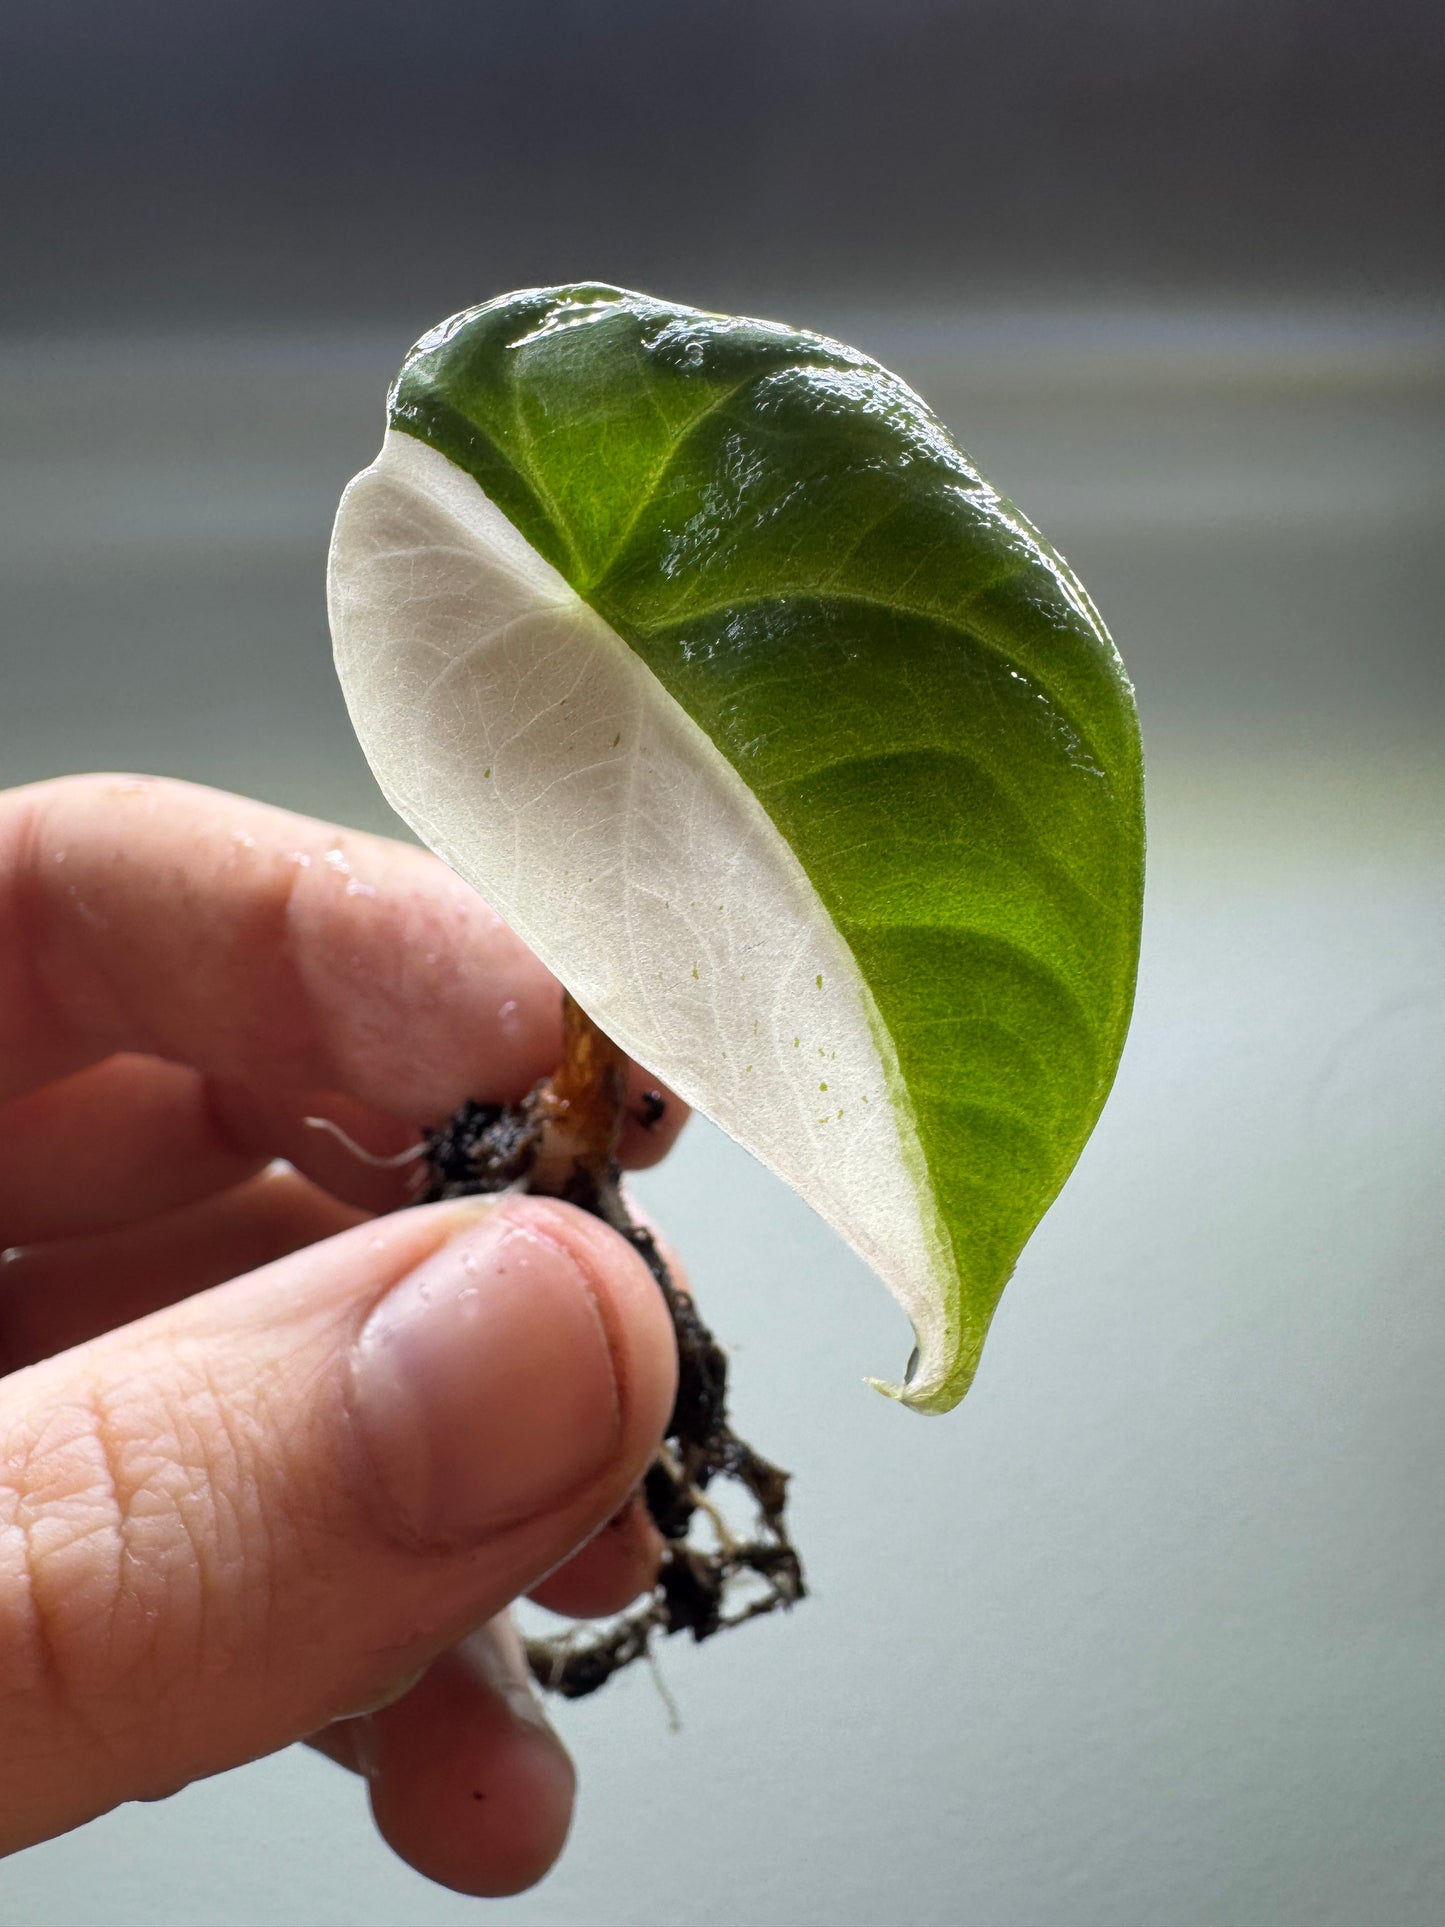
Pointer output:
x,y
701,648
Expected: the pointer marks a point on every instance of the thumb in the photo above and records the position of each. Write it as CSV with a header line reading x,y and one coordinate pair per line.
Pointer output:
x,y
260,1509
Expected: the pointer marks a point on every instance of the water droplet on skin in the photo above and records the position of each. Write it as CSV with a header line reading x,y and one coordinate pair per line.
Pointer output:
x,y
301,859
356,889
336,860
59,856
509,1021
244,838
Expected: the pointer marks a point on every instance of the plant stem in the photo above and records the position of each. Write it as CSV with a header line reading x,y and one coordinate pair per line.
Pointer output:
x,y
562,1142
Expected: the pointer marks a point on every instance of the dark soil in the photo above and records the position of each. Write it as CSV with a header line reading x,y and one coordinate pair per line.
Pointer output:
x,y
562,1140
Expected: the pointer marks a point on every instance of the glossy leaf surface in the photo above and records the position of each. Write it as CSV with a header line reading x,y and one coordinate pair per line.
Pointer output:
x,y
699,646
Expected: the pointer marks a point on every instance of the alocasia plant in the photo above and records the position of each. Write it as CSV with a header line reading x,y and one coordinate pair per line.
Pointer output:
x,y
699,646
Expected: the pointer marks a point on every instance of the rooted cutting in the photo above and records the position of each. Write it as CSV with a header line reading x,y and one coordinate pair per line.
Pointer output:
x,y
562,1141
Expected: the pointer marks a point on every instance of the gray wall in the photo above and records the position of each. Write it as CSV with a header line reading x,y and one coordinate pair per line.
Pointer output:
x,y
257,158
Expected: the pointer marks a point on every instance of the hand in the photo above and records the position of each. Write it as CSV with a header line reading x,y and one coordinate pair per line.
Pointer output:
x,y
233,1514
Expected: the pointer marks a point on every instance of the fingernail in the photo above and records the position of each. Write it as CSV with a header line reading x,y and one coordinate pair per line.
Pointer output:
x,y
380,1697
495,1653
483,1384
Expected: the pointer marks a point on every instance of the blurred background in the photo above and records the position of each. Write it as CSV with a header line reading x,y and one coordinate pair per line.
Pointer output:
x,y
1150,1630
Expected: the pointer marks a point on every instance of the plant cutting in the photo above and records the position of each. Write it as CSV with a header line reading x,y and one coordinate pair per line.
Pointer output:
x,y
701,649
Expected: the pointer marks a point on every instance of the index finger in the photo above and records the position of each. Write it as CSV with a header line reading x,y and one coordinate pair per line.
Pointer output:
x,y
158,917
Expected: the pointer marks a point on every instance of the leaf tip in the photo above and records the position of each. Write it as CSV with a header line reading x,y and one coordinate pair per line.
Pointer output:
x,y
932,1393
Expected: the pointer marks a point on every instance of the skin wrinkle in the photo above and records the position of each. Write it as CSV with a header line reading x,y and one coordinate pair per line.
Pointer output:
x,y
267,1534
203,1484
18,1603
205,1511
162,1486
157,1497
160,1538
262,1409
58,1632
147,1568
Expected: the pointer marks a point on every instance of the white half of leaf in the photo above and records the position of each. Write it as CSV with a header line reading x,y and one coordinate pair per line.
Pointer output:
x,y
532,749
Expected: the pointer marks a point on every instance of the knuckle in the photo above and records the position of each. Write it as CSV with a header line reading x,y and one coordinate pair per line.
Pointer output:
x,y
123,1535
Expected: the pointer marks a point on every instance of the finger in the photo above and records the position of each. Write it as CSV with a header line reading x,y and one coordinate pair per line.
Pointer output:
x,y
616,1566
621,1562
157,917
59,1294
228,1525
117,1142
134,1137
283,1124
56,1295
655,1117
468,1781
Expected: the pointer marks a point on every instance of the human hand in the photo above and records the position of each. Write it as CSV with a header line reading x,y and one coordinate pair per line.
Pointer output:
x,y
235,1514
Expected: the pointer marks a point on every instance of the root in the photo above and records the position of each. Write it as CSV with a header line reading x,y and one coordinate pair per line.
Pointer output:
x,y
562,1141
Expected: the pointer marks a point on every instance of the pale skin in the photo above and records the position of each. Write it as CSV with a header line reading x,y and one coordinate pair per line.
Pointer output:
x,y
220,1531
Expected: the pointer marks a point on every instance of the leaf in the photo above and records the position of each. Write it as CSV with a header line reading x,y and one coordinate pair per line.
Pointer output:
x,y
701,649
